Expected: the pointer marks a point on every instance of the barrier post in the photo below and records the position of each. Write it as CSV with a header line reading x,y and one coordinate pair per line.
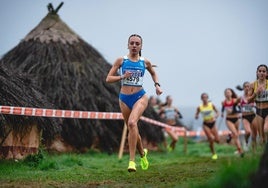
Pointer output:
x,y
185,141
123,140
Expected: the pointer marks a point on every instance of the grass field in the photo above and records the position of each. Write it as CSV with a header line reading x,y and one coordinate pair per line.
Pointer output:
x,y
94,169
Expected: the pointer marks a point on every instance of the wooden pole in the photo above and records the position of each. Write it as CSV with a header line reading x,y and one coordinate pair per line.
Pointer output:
x,y
123,140
185,141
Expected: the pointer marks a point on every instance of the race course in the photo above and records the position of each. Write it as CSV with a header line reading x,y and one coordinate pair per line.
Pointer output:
x,y
167,169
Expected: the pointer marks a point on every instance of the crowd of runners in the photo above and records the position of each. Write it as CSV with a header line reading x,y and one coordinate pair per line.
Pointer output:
x,y
252,107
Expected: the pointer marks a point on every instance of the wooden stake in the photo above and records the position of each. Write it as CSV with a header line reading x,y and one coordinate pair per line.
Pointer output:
x,y
123,140
185,142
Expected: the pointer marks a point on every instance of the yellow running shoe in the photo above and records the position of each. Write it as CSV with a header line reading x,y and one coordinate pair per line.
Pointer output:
x,y
144,161
170,149
214,156
131,166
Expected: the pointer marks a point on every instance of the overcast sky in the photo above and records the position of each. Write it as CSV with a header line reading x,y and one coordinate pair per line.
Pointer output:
x,y
198,45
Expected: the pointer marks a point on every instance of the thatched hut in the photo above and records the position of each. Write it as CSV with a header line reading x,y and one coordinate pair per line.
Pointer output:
x,y
20,135
72,75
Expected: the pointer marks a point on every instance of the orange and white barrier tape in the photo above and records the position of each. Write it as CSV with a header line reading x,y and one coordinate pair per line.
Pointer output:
x,y
202,133
28,111
42,112
148,120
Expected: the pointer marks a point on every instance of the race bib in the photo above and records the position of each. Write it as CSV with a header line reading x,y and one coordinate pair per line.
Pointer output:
x,y
170,114
136,78
263,96
247,108
208,115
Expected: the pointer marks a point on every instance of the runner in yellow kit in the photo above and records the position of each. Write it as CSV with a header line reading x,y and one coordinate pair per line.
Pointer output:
x,y
210,114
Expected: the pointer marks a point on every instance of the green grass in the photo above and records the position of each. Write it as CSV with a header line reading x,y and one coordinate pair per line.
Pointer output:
x,y
94,169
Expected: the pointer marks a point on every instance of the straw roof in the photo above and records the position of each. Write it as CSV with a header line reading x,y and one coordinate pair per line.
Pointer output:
x,y
72,75
20,90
